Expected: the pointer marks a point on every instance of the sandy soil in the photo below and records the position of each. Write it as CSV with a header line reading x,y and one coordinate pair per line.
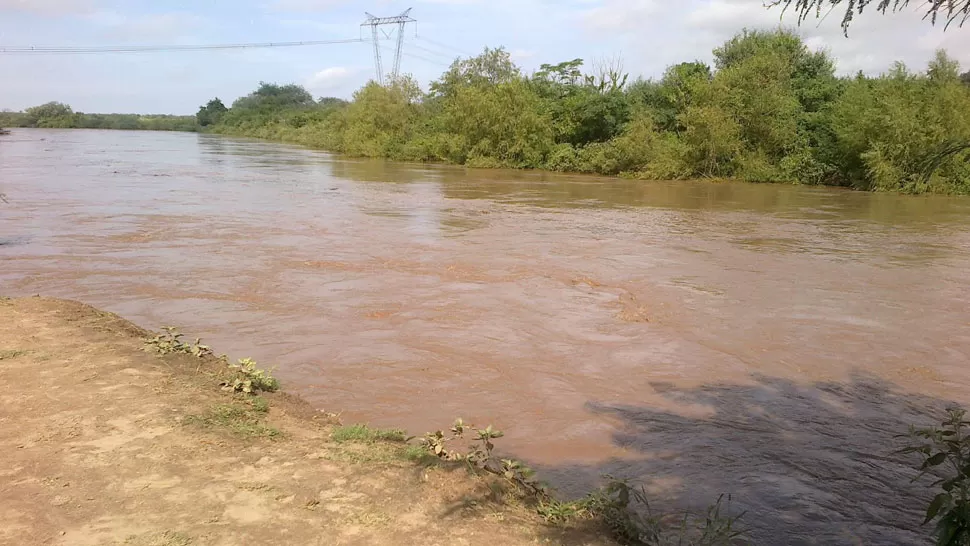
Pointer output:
x,y
104,443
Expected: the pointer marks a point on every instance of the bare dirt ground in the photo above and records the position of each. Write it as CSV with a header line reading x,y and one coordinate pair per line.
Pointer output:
x,y
104,443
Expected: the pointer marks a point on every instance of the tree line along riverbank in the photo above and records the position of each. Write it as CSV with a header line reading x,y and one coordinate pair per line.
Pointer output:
x,y
769,109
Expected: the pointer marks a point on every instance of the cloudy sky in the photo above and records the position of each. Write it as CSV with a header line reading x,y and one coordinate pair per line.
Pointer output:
x,y
647,34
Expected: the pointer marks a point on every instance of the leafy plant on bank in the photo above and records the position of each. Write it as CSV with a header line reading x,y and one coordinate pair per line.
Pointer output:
x,y
170,341
248,378
945,454
623,508
245,376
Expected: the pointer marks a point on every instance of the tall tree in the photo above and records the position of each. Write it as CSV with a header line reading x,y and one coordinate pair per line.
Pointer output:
x,y
211,113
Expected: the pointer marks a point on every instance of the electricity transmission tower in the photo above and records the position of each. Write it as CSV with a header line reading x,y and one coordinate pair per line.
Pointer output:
x,y
375,22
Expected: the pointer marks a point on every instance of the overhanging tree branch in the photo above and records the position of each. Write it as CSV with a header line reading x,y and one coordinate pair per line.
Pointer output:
x,y
953,11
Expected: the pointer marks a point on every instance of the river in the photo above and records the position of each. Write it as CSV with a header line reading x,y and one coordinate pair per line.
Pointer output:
x,y
766,341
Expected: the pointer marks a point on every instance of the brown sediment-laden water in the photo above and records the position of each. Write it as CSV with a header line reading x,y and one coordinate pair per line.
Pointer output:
x,y
766,341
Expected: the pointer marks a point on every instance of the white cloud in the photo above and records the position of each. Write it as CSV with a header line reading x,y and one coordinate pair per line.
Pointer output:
x,y
48,7
305,5
691,29
313,5
330,80
620,15
144,28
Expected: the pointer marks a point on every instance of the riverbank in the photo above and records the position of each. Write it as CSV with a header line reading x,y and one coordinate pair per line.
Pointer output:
x,y
106,443
770,109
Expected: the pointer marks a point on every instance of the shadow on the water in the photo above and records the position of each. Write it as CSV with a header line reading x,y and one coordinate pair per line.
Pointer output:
x,y
809,464
13,241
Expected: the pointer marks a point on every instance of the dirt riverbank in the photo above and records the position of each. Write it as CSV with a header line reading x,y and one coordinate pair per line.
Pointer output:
x,y
105,443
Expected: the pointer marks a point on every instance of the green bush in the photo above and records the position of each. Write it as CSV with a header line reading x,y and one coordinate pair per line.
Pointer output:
x,y
944,453
770,110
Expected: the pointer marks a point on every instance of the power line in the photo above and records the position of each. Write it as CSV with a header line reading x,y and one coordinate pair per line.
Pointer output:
x,y
84,50
414,56
448,55
444,46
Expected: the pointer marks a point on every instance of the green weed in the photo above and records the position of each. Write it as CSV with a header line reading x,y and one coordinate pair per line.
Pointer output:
x,y
945,452
170,341
249,379
619,506
366,435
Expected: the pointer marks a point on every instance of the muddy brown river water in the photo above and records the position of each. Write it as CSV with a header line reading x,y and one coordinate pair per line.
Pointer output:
x,y
766,341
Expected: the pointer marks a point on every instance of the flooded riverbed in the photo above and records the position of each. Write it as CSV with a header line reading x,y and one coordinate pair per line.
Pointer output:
x,y
760,340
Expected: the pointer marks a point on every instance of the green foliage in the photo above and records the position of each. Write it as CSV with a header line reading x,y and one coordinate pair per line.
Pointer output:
x,y
52,115
55,115
249,379
770,110
494,125
945,454
211,113
364,434
381,120
619,506
626,512
492,67
891,130
170,341
481,456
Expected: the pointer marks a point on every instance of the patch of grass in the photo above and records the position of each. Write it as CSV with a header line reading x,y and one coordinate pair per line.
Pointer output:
x,y
420,455
241,418
6,355
259,404
376,452
364,434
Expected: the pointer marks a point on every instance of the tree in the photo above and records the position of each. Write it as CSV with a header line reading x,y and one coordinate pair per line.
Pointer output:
x,y
381,120
332,102
952,11
680,86
493,66
211,113
584,108
906,131
51,115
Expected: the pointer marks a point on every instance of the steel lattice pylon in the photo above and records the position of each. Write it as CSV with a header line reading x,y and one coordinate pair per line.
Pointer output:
x,y
375,22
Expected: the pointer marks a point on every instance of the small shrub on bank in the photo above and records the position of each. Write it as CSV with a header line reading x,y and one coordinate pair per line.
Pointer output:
x,y
170,341
621,507
250,379
945,454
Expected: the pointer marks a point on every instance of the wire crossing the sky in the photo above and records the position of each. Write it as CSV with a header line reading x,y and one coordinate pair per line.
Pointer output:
x,y
86,50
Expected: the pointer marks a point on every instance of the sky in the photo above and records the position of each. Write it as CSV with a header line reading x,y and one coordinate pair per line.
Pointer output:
x,y
646,35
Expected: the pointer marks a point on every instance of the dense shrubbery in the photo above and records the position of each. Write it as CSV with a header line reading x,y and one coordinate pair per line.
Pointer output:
x,y
55,115
769,110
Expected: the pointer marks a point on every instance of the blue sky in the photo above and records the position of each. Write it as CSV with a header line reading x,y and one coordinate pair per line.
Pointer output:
x,y
647,35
